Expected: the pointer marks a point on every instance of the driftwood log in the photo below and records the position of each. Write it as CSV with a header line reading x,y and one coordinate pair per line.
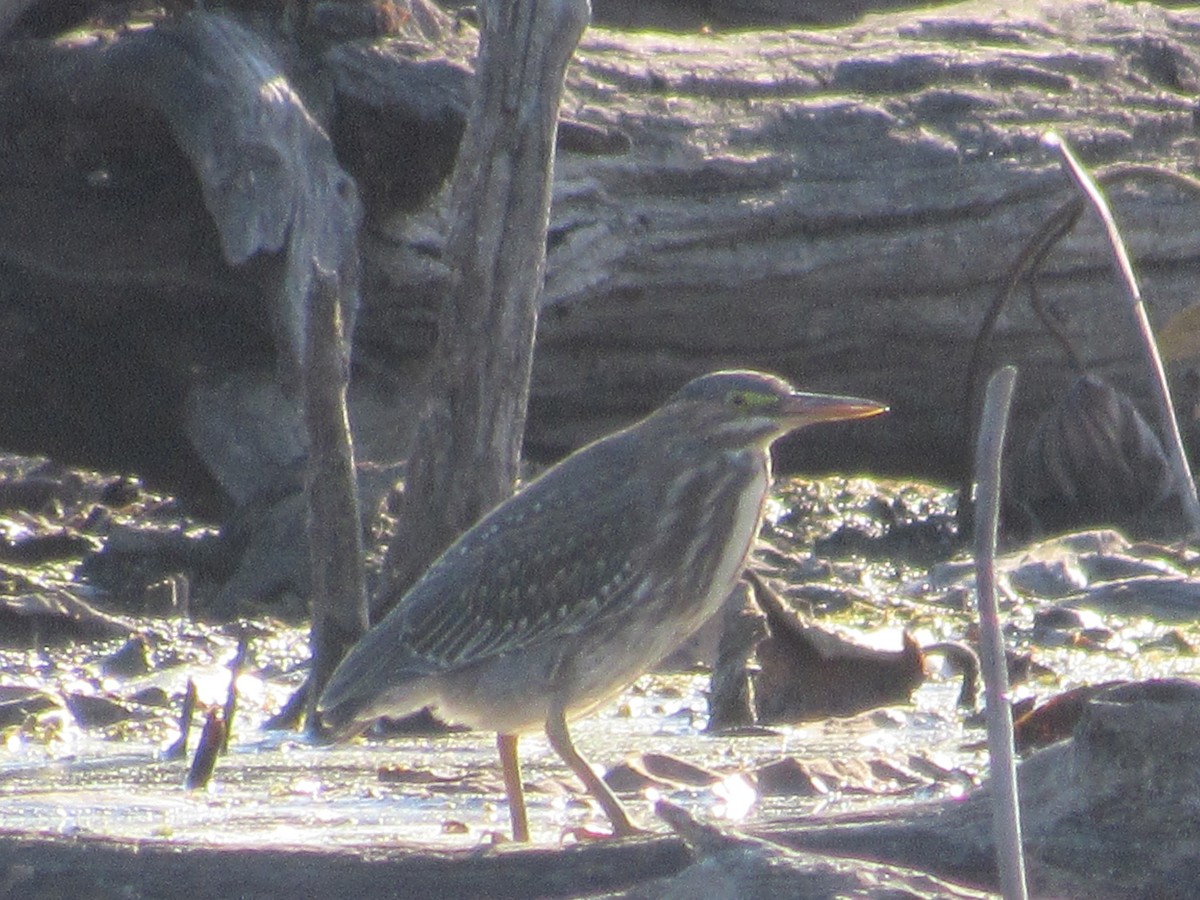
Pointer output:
x,y
466,453
843,206
840,205
1109,813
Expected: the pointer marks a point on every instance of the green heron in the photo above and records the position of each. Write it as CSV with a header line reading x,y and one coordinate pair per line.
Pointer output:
x,y
569,590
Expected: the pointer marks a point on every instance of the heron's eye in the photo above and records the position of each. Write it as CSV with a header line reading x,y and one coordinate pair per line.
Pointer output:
x,y
749,399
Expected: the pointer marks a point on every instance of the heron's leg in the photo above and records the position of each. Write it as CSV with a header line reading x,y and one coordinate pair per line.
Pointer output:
x,y
560,740
510,763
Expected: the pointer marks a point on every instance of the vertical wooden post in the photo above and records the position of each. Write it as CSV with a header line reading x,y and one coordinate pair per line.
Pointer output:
x,y
467,447
338,598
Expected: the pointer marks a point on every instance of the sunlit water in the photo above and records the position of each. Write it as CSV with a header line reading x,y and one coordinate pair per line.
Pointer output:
x,y
274,788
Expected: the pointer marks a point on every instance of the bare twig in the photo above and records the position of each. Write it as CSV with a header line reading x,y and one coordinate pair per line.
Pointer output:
x,y
1174,441
212,737
1026,267
1054,327
1057,226
1006,816
1029,263
230,708
178,750
729,700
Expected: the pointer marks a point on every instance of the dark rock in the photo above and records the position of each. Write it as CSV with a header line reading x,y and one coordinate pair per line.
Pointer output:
x,y
1164,599
121,492
135,558
45,547
1048,577
790,778
151,696
132,659
1115,566
96,711
655,770
31,493
827,598
15,710
44,614
1055,719
1063,618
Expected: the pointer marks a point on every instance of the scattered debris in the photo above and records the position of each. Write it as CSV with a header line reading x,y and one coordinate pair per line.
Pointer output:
x,y
96,711
230,707
212,739
178,750
807,673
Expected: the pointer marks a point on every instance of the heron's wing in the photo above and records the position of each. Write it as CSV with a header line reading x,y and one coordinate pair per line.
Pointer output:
x,y
568,550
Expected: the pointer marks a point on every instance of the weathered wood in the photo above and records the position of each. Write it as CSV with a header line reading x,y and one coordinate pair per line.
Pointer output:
x,y
695,15
337,592
730,702
843,205
1110,813
267,177
168,196
466,453
806,673
738,867
840,205
49,866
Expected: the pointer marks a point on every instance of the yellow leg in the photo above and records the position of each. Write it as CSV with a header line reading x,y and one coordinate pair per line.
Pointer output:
x,y
560,740
510,764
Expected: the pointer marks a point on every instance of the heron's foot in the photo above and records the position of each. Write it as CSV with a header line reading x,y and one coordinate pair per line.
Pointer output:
x,y
631,830
582,833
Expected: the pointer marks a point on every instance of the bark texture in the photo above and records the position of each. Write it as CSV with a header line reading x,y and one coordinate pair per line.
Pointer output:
x,y
844,206
466,454
337,593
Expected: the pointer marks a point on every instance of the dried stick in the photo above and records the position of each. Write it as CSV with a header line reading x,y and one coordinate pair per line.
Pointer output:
x,y
178,750
1029,263
1174,441
212,737
1006,815
230,708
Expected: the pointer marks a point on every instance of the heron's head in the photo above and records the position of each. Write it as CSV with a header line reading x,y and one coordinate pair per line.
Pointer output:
x,y
745,408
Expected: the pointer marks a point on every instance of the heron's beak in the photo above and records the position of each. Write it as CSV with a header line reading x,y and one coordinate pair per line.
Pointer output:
x,y
805,409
